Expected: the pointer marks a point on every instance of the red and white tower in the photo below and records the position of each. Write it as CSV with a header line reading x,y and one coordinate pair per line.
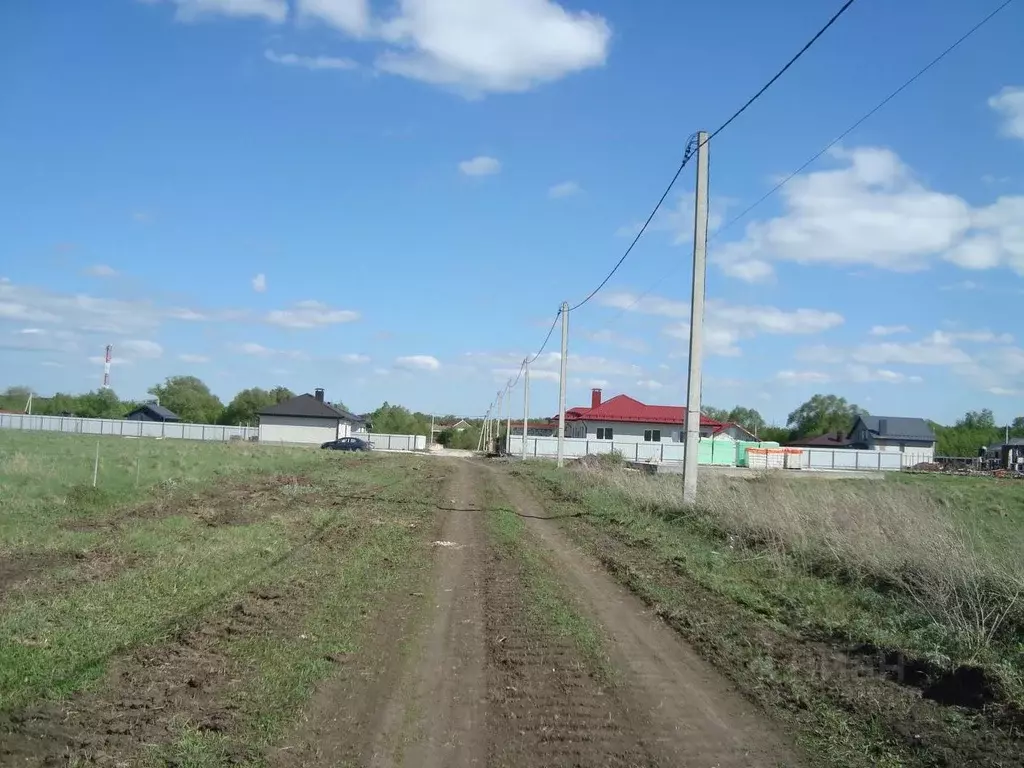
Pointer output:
x,y
106,366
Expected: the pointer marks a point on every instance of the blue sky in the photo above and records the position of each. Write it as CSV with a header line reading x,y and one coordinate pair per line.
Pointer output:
x,y
390,200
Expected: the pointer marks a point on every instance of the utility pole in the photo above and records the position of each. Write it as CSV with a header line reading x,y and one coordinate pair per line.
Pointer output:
x,y
526,402
700,242
561,383
496,432
508,425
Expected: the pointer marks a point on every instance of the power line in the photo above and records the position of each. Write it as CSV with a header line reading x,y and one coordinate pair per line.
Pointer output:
x,y
691,147
870,113
864,118
781,72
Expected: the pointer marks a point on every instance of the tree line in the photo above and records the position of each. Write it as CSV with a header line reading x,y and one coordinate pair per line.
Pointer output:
x,y
192,401
825,414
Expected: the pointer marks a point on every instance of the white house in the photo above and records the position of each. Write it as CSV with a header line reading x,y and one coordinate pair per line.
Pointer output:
x,y
306,419
624,419
894,433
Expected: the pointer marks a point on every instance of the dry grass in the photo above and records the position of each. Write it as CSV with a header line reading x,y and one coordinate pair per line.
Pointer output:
x,y
889,536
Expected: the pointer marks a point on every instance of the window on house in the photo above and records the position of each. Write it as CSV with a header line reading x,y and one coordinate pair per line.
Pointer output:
x,y
903,447
604,433
652,435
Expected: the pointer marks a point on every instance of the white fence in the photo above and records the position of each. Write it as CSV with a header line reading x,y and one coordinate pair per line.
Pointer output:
x,y
126,428
672,453
170,430
395,442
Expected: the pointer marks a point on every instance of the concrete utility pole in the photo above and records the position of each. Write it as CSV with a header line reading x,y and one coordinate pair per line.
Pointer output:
x,y
496,432
526,402
700,243
508,425
561,383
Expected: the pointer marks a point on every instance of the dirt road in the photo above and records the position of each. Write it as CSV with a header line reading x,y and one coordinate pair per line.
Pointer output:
x,y
480,680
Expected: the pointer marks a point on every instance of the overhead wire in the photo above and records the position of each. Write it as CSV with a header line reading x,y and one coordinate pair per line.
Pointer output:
x,y
856,124
692,147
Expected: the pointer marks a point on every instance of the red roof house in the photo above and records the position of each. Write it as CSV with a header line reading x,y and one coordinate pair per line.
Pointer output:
x,y
624,418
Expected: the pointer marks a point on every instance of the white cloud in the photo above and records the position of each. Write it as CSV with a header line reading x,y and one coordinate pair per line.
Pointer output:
x,y
491,45
140,349
860,374
258,350
724,323
189,358
350,16
1003,391
1009,103
355,359
565,189
646,305
310,314
309,62
259,283
888,330
480,166
183,313
650,384
803,377
32,331
874,212
101,270
866,374
617,340
275,11
963,285
418,363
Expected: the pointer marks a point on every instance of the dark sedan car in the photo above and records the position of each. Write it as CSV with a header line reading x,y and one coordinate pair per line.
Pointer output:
x,y
348,444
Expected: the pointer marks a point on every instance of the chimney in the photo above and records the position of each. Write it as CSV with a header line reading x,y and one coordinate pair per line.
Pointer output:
x,y
319,393
883,427
595,397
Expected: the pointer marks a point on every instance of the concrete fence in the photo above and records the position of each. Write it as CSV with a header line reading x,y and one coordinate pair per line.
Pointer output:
x,y
126,428
718,453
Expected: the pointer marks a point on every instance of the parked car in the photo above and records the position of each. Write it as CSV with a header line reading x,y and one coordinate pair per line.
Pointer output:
x,y
348,444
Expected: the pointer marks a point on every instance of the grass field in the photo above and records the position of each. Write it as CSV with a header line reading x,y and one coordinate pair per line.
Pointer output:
x,y
813,593
255,568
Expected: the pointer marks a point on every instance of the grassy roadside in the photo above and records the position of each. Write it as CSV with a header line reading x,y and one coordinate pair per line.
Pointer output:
x,y
338,592
250,588
809,643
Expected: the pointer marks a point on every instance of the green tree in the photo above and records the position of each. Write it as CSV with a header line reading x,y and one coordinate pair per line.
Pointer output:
x,y
397,420
246,404
1017,427
189,398
748,418
774,434
718,414
99,404
15,398
983,419
280,394
822,414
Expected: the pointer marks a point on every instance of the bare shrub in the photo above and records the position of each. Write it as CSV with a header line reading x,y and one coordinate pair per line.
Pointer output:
x,y
886,535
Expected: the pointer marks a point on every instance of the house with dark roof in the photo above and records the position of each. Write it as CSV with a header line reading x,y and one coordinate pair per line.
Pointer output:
x,y
307,419
152,412
894,433
626,419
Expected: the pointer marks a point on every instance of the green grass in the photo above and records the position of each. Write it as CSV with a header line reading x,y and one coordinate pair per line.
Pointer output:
x,y
46,479
545,602
339,533
764,604
991,509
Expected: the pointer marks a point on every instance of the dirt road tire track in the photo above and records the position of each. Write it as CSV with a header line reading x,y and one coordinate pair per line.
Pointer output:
x,y
694,717
435,717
